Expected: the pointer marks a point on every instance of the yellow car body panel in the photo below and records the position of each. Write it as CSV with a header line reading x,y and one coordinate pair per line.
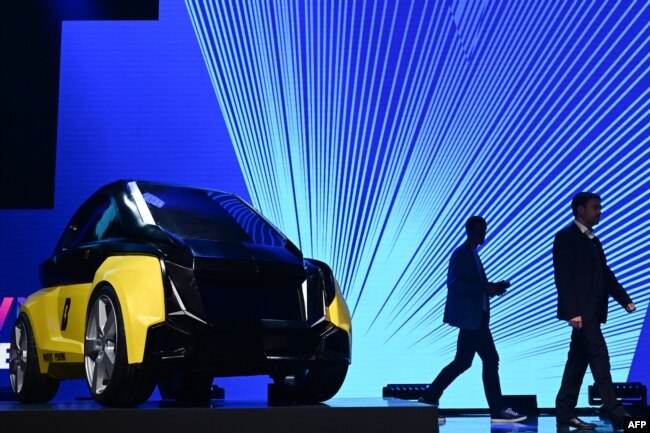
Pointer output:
x,y
45,311
59,334
337,313
137,281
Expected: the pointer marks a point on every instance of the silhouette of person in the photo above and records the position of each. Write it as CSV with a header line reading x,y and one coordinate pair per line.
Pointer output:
x,y
468,308
584,282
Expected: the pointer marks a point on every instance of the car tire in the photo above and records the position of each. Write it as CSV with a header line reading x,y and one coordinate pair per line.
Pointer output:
x,y
311,385
111,380
27,381
186,386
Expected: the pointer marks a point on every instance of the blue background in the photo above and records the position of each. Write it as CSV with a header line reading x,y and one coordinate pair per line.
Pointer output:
x,y
368,132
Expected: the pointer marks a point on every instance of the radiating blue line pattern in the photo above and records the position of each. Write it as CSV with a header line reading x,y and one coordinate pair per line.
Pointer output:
x,y
368,131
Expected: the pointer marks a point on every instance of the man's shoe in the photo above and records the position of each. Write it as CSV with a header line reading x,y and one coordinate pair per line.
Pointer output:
x,y
441,420
427,401
576,423
508,415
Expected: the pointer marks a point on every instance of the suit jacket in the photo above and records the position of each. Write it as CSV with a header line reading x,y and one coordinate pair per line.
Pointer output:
x,y
582,277
466,289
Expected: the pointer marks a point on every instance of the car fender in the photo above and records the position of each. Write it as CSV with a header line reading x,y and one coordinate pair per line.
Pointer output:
x,y
138,283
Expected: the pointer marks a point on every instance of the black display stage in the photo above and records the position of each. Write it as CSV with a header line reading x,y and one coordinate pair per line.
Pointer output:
x,y
376,415
368,415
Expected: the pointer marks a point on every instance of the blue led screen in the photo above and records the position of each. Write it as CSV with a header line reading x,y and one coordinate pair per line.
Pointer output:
x,y
368,132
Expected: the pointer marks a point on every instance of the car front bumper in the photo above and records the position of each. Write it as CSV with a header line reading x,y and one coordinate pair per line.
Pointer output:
x,y
235,348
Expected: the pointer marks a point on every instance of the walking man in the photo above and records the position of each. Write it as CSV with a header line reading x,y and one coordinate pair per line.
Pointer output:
x,y
468,308
584,283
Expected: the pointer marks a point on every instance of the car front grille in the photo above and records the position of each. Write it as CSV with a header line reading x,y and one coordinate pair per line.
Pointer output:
x,y
229,301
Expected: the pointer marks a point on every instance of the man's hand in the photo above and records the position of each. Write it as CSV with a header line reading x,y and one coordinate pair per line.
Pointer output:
x,y
498,288
576,322
630,307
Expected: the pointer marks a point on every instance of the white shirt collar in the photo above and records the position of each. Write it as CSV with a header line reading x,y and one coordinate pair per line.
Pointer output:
x,y
585,230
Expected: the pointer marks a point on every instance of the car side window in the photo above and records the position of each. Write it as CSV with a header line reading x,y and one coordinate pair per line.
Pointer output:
x,y
108,226
95,222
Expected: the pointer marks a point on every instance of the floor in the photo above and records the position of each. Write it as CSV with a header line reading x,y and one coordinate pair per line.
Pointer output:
x,y
397,411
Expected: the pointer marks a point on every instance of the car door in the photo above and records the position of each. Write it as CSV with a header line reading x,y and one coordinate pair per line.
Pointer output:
x,y
78,256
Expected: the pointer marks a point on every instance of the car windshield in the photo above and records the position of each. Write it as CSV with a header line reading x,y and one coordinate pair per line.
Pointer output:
x,y
191,213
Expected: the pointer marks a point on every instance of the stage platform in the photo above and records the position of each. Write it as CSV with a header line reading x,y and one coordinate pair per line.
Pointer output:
x,y
335,416
354,415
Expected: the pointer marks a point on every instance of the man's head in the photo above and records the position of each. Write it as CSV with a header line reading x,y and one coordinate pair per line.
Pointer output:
x,y
476,227
586,208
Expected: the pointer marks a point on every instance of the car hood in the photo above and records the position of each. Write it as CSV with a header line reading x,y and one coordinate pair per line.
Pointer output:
x,y
242,281
249,258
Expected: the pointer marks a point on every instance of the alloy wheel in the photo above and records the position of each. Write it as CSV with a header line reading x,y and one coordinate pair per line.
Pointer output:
x,y
18,357
100,344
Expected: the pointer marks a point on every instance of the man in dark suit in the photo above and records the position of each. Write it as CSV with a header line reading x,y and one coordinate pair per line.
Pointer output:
x,y
468,308
584,283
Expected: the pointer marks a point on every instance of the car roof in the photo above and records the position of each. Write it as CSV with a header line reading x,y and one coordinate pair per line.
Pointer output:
x,y
122,184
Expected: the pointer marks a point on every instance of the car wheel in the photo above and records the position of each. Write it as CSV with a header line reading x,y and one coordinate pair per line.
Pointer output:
x,y
112,381
27,381
311,385
186,386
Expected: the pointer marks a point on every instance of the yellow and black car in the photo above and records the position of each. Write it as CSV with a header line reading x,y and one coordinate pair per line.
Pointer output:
x,y
172,285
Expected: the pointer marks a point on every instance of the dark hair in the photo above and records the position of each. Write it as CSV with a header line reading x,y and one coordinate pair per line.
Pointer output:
x,y
581,199
473,221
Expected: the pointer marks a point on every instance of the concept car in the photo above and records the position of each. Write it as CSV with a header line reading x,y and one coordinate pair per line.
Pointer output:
x,y
153,284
